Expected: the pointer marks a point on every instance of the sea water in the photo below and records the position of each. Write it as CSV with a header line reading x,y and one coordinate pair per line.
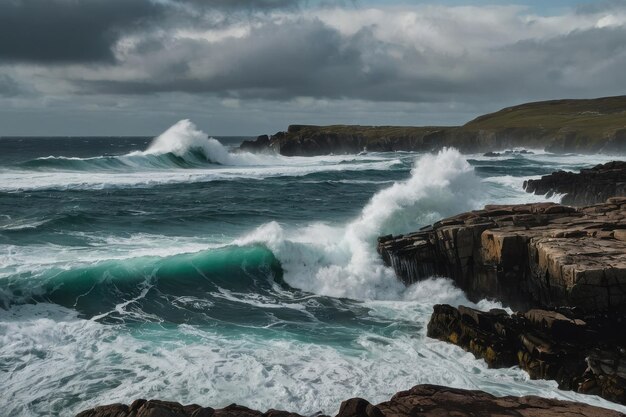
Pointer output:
x,y
176,268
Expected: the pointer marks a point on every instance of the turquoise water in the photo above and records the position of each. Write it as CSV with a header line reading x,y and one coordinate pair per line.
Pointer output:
x,y
175,268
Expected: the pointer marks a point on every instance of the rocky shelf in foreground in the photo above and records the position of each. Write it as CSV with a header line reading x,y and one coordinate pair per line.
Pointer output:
x,y
589,186
419,401
583,353
531,255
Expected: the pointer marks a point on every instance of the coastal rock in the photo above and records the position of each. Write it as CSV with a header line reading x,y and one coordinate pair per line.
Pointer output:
x,y
530,255
419,401
582,353
157,408
590,186
584,126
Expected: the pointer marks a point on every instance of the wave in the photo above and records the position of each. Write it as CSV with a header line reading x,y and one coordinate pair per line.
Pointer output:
x,y
174,289
342,261
182,145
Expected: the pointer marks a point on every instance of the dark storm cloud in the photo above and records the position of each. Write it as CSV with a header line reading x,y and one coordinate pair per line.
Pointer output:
x,y
309,58
67,30
56,31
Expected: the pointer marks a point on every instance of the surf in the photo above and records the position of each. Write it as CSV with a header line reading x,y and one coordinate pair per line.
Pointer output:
x,y
181,146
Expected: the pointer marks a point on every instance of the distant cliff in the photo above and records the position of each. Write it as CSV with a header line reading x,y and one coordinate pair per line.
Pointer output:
x,y
585,126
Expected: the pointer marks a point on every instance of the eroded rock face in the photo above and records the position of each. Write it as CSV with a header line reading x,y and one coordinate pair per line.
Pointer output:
x,y
419,401
530,255
590,186
584,353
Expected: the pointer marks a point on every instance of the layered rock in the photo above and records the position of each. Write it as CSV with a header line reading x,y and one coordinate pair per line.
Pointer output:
x,y
590,186
529,255
584,353
419,401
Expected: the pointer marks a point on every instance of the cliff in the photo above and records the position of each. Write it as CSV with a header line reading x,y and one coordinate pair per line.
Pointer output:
x,y
419,401
589,186
531,255
585,126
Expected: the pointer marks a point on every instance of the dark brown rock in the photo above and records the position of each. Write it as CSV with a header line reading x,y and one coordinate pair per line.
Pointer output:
x,y
436,401
585,354
590,186
419,401
542,255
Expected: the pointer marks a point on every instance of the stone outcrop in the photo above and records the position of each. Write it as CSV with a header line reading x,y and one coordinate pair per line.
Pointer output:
x,y
419,401
590,186
156,408
531,255
584,353
584,126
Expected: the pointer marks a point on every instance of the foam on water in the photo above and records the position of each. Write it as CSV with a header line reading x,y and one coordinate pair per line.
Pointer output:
x,y
181,154
65,362
342,261
198,320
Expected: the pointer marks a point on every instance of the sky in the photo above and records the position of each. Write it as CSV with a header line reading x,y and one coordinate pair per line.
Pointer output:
x,y
251,67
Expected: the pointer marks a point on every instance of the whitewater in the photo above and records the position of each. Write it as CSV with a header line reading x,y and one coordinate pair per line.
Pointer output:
x,y
181,269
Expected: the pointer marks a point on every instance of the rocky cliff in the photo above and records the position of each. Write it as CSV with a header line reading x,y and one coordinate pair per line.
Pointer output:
x,y
582,352
586,126
419,401
532,255
589,186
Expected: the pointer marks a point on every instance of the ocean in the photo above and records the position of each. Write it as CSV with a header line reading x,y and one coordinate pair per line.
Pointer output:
x,y
176,268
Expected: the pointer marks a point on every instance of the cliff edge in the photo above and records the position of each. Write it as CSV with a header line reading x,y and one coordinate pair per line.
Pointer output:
x,y
583,126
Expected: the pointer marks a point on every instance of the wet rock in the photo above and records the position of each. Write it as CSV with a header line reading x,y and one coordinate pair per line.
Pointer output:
x,y
590,186
436,401
541,255
419,401
584,353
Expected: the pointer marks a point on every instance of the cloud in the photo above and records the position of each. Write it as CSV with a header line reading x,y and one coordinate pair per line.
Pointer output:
x,y
56,31
67,30
238,54
376,55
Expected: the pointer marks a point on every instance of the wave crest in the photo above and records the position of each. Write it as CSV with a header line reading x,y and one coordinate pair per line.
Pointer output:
x,y
182,145
342,261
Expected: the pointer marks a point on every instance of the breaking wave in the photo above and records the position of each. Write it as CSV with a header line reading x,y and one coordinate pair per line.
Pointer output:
x,y
183,145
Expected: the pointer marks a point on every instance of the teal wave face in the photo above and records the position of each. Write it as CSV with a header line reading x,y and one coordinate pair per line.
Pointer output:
x,y
193,158
176,289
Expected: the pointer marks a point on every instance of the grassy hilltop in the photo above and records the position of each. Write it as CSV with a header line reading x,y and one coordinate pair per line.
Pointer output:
x,y
593,125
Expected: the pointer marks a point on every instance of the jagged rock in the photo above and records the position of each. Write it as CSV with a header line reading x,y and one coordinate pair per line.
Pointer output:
x,y
157,408
582,353
436,401
530,255
590,186
419,401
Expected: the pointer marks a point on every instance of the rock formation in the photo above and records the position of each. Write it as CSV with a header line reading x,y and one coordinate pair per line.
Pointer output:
x,y
590,186
584,353
595,125
531,255
419,401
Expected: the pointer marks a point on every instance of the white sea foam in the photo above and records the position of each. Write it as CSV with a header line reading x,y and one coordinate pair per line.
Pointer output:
x,y
342,261
65,361
141,169
184,137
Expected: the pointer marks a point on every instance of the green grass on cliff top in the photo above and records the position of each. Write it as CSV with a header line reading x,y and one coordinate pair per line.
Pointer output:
x,y
593,117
